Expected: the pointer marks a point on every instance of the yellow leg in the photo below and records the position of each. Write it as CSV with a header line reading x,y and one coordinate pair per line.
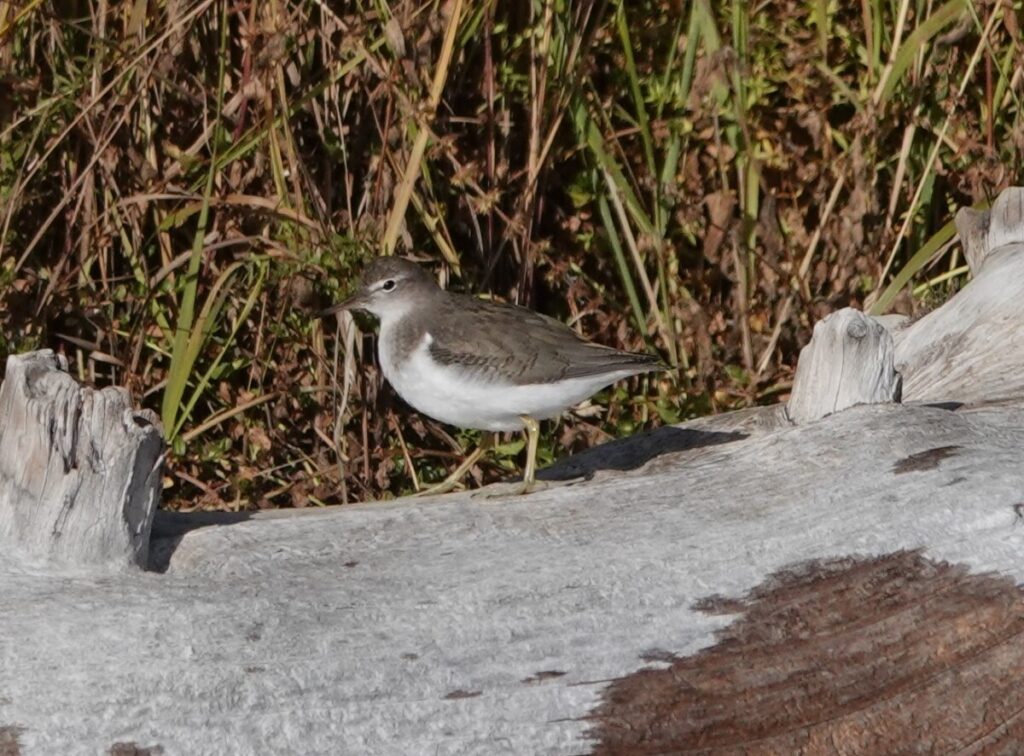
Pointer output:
x,y
532,429
459,473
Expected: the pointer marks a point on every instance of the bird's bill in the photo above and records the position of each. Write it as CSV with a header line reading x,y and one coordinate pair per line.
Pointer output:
x,y
356,302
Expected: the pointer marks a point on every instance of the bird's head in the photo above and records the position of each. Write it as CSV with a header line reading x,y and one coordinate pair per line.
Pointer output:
x,y
388,288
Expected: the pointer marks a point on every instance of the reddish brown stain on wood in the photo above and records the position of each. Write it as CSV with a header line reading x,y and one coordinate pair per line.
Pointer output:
x,y
658,655
133,749
926,460
544,674
457,695
9,745
719,604
886,655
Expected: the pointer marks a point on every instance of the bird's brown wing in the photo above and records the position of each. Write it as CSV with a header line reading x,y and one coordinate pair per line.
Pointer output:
x,y
521,346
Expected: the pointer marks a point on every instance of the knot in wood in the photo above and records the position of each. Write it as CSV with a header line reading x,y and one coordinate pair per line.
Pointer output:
x,y
857,329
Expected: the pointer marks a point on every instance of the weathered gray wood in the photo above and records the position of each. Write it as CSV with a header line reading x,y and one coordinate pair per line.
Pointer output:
x,y
972,227
469,625
737,583
983,231
1006,219
972,347
79,470
848,362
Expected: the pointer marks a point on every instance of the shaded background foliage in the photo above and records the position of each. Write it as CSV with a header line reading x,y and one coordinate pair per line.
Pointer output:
x,y
183,184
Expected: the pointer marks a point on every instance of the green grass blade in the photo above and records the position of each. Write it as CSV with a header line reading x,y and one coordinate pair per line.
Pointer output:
x,y
621,264
929,28
643,124
209,318
181,365
913,266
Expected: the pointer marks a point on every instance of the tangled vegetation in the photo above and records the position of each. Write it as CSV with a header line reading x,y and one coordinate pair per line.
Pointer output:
x,y
185,183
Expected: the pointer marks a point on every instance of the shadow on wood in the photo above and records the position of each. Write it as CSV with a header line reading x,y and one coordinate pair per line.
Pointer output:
x,y
634,452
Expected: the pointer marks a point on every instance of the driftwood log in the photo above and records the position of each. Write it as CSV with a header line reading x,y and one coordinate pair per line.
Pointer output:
x,y
837,577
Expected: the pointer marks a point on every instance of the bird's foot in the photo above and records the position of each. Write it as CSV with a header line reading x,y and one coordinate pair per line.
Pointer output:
x,y
445,486
508,490
454,480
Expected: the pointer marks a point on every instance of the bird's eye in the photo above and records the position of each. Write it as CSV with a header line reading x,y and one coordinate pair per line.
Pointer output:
x,y
388,285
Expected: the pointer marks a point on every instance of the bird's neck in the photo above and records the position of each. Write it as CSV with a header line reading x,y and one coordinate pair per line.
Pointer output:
x,y
399,336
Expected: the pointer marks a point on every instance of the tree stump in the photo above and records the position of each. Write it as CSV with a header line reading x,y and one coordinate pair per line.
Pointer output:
x,y
79,469
848,362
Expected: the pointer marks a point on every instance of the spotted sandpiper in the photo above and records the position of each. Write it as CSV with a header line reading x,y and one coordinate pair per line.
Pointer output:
x,y
481,364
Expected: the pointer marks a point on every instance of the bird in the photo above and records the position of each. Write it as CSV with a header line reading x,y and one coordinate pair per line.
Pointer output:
x,y
477,363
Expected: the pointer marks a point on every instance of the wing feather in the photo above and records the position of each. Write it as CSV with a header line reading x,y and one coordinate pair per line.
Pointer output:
x,y
528,346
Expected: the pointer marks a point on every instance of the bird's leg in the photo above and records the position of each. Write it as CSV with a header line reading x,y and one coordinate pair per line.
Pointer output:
x,y
446,485
532,429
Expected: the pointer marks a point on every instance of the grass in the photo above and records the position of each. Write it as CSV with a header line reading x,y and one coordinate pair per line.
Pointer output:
x,y
184,185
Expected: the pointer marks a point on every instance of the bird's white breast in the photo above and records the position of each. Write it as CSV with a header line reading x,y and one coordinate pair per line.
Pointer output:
x,y
454,396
